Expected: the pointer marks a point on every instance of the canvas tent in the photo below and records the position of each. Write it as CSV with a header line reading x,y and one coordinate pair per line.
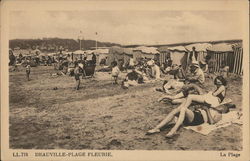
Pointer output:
x,y
127,54
145,52
121,55
179,55
201,48
78,52
27,52
100,54
231,55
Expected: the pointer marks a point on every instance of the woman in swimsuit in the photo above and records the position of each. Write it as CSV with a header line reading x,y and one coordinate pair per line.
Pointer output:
x,y
188,117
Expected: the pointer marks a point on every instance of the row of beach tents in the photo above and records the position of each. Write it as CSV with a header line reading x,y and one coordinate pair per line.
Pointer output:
x,y
231,54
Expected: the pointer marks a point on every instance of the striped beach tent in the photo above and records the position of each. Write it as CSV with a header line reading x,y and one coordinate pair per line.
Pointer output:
x,y
230,55
164,53
238,58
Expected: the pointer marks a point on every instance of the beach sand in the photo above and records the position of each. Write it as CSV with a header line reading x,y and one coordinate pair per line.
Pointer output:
x,y
48,113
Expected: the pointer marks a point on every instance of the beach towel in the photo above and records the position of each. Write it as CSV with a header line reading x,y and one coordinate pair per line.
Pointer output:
x,y
232,117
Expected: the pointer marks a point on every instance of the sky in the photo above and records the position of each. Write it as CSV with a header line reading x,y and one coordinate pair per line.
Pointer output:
x,y
128,27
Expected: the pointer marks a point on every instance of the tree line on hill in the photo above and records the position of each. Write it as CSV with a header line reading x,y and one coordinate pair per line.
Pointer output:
x,y
56,44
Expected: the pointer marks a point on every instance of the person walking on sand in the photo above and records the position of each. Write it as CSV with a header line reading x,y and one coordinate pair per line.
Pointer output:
x,y
115,72
28,72
77,73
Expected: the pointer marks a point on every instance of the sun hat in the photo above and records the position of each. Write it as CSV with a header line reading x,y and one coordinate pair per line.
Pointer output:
x,y
195,64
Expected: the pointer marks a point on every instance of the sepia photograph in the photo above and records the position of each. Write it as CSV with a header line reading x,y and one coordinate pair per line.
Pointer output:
x,y
114,76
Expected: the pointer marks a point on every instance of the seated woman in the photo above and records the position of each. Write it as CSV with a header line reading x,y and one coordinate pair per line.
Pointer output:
x,y
186,116
132,79
177,83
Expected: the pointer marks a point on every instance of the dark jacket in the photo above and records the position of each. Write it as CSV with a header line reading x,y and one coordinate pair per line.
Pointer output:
x,y
195,53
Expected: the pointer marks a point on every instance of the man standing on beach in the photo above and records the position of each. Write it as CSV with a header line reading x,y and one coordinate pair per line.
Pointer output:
x,y
193,57
94,58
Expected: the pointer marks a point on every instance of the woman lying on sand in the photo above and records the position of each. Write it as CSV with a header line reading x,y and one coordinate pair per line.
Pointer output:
x,y
183,93
188,117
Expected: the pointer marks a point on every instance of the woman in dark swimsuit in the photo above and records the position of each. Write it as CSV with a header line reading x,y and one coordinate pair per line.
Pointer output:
x,y
188,117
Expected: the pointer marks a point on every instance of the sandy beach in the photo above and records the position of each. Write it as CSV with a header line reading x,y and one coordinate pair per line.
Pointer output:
x,y
48,113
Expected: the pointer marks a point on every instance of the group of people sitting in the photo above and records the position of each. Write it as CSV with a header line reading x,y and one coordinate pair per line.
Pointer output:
x,y
196,106
187,88
141,72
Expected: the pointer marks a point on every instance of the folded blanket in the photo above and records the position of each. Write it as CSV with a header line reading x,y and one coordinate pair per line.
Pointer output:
x,y
227,119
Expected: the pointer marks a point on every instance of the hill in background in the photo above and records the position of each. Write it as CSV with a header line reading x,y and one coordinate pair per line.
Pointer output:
x,y
56,44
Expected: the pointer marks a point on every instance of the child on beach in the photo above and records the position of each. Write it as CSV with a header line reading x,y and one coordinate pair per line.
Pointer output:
x,y
115,72
28,72
77,73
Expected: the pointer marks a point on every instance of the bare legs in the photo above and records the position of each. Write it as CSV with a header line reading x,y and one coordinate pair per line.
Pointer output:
x,y
179,97
77,84
115,78
183,112
168,118
166,121
28,76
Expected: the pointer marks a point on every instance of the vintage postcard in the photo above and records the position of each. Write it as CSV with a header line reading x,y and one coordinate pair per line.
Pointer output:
x,y
124,80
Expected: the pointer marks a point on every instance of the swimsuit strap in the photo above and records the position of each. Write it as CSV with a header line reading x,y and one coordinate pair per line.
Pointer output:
x,y
221,97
